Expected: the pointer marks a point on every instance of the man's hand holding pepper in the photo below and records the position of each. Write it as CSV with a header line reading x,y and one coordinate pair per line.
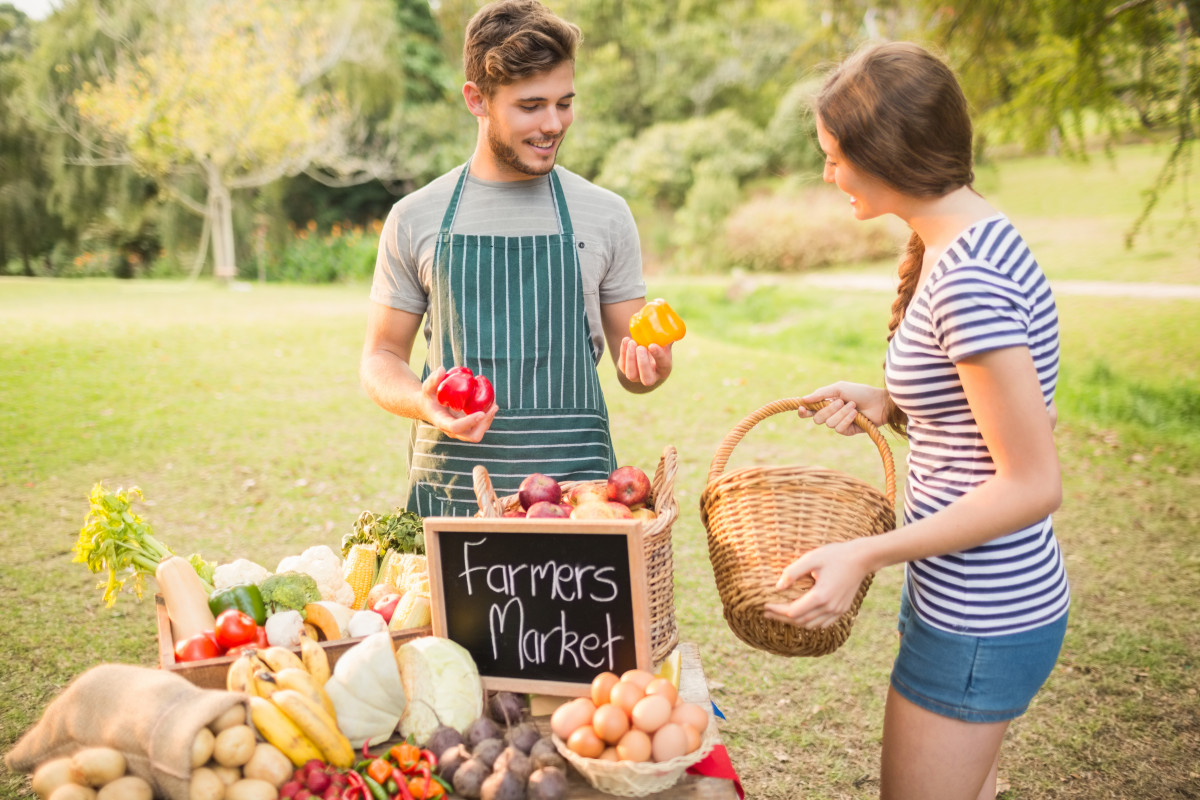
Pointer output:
x,y
453,423
644,365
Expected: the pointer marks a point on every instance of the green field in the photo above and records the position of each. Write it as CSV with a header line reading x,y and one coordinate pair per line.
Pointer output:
x,y
240,415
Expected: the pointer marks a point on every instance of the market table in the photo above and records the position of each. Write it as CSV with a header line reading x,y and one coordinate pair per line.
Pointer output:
x,y
693,688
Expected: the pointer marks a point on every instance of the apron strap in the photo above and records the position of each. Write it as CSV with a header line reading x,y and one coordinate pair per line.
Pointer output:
x,y
556,192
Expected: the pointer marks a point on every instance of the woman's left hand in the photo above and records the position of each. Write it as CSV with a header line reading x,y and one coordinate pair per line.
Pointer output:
x,y
837,569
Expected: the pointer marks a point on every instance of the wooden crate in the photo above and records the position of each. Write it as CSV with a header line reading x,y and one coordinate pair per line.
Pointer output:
x,y
209,673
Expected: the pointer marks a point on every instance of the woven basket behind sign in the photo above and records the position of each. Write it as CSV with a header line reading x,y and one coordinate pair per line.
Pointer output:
x,y
656,544
760,519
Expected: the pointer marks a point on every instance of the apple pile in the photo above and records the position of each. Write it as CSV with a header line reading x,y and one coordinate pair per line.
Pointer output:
x,y
625,495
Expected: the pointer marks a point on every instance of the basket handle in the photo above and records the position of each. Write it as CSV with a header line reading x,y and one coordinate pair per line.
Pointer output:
x,y
791,404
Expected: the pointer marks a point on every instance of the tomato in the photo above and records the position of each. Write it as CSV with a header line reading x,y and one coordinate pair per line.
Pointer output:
x,y
260,637
454,390
213,636
196,648
482,395
235,627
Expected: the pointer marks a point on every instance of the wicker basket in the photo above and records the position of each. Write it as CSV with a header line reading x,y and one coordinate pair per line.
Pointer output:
x,y
656,544
637,779
760,519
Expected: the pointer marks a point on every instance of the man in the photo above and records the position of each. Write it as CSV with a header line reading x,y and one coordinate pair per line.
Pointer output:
x,y
522,270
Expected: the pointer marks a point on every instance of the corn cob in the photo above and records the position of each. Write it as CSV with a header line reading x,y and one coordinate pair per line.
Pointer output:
x,y
359,571
412,611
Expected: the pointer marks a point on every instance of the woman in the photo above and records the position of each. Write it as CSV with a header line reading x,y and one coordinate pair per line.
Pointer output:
x,y
971,368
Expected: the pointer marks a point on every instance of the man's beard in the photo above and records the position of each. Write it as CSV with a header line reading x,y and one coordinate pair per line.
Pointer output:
x,y
506,155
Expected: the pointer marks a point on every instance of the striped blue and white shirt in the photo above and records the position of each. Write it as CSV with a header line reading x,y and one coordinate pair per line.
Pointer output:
x,y
985,293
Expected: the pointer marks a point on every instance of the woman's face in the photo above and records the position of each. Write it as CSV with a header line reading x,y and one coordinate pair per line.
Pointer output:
x,y
869,196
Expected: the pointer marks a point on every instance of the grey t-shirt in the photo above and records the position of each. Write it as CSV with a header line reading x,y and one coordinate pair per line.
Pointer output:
x,y
610,257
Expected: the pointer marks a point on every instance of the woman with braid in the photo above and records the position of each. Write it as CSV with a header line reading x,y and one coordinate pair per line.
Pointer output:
x,y
971,368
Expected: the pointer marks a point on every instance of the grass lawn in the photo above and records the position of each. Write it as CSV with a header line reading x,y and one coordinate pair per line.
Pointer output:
x,y
240,415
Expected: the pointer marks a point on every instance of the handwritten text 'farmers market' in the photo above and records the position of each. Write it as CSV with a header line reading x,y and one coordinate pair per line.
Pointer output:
x,y
564,583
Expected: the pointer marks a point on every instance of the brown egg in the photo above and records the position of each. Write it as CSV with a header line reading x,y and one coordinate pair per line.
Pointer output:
x,y
585,742
639,676
668,742
664,687
610,723
651,713
571,716
634,746
693,737
691,714
609,754
602,687
625,696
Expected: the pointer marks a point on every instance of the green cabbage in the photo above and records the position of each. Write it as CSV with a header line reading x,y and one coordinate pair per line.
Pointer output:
x,y
442,685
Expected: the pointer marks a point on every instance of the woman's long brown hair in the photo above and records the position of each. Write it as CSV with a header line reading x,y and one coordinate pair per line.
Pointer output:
x,y
898,114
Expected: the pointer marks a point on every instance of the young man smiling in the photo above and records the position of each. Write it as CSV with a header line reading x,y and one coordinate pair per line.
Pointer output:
x,y
522,271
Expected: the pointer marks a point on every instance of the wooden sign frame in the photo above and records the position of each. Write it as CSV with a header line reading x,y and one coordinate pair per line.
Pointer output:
x,y
629,532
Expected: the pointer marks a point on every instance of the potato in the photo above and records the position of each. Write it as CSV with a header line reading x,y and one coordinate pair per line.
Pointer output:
x,y
50,775
130,787
73,791
502,785
268,764
202,747
548,783
228,775
468,779
251,789
96,766
206,785
234,716
234,746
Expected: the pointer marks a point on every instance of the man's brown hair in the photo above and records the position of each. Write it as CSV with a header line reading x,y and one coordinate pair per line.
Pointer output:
x,y
509,40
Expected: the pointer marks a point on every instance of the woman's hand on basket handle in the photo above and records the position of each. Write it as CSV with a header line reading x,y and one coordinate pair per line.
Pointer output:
x,y
837,570
846,401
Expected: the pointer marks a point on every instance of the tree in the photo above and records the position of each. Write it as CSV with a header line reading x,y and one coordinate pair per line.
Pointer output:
x,y
221,95
1050,72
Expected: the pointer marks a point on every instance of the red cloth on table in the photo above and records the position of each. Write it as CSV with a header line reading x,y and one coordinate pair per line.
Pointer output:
x,y
717,765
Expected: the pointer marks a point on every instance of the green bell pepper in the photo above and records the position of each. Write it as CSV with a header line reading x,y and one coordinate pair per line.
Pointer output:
x,y
242,596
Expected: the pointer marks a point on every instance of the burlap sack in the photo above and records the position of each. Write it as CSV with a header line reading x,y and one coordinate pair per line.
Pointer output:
x,y
150,715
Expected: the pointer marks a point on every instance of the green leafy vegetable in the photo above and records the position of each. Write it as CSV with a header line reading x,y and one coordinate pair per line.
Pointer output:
x,y
401,530
289,591
116,540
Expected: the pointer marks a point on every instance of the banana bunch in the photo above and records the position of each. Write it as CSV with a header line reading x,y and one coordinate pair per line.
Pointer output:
x,y
288,702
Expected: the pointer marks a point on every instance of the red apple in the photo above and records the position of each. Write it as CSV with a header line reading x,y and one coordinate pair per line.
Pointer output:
x,y
644,514
629,486
516,512
544,508
582,493
386,606
538,487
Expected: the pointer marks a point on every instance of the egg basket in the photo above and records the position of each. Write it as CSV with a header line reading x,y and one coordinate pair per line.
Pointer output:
x,y
637,779
760,519
656,544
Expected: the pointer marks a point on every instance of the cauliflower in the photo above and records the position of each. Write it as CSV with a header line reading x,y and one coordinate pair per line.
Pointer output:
x,y
326,568
240,571
284,629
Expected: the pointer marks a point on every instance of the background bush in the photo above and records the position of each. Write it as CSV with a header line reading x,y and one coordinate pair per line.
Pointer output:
x,y
796,230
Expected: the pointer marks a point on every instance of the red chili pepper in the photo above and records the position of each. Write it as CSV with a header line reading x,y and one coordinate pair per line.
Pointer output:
x,y
357,786
430,757
402,785
424,787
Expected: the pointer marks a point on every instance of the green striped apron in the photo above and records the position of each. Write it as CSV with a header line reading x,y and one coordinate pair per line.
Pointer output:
x,y
511,308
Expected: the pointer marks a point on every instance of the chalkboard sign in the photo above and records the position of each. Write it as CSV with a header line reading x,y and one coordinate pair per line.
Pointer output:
x,y
542,605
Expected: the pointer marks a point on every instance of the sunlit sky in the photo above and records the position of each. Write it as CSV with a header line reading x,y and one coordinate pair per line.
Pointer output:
x,y
34,8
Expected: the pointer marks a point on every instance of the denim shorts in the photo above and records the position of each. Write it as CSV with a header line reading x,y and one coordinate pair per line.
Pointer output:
x,y
972,678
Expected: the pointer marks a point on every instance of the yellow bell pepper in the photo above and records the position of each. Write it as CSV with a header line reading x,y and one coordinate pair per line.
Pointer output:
x,y
656,323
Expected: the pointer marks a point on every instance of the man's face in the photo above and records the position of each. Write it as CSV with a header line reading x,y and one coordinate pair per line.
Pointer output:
x,y
526,122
